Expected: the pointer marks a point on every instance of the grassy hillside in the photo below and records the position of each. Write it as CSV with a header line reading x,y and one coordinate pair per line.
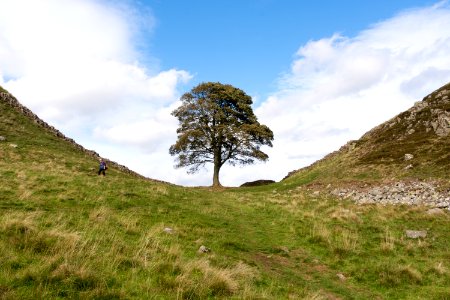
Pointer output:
x,y
380,154
67,233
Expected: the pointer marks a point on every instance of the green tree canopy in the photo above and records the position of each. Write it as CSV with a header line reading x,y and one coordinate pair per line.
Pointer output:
x,y
217,125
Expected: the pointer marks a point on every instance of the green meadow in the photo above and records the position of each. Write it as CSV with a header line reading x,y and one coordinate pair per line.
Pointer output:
x,y
67,233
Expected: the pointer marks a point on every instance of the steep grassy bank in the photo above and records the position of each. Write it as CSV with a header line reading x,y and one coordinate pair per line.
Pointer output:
x,y
423,132
67,233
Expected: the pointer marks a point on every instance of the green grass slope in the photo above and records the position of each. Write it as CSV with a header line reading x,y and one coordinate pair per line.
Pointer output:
x,y
67,233
380,154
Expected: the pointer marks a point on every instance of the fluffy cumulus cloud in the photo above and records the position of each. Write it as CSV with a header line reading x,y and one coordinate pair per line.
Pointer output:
x,y
76,64
340,87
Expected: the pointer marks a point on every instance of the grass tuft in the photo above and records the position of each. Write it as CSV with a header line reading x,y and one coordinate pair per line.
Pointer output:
x,y
388,242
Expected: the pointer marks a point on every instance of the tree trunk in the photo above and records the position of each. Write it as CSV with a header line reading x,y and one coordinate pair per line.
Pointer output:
x,y
216,182
217,165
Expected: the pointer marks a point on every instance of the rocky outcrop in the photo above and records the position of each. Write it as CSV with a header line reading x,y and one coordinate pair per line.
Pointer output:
x,y
257,183
427,121
400,193
431,114
15,104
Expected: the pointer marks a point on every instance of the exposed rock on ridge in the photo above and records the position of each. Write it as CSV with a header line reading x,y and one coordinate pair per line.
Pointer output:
x,y
399,193
422,132
430,114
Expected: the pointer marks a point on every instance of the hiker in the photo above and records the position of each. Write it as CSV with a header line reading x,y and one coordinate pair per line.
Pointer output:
x,y
102,168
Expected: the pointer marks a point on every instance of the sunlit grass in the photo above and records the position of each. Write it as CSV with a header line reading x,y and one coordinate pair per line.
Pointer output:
x,y
67,233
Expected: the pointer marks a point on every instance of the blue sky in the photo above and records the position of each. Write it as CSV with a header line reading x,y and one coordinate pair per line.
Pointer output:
x,y
109,73
249,43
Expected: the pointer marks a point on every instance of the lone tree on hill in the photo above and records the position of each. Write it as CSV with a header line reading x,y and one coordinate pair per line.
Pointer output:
x,y
217,125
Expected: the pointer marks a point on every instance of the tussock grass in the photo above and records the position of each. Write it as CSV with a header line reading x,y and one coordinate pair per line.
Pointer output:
x,y
388,243
392,275
199,279
343,214
439,268
338,240
320,233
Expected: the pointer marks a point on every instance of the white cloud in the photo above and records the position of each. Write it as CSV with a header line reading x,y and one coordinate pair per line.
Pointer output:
x,y
75,63
340,87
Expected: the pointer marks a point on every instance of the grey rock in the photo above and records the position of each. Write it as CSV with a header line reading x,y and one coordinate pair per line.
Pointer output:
x,y
411,193
408,156
441,125
341,277
203,249
2,138
168,230
435,212
411,131
13,145
414,234
258,183
443,204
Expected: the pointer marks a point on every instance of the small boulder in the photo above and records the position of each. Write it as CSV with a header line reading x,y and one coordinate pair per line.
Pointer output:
x,y
13,145
408,167
415,234
341,277
408,156
168,230
203,249
2,138
257,183
443,204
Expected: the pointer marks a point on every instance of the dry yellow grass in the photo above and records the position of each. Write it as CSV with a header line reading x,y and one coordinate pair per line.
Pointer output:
x,y
388,242
346,240
321,232
200,279
343,214
439,268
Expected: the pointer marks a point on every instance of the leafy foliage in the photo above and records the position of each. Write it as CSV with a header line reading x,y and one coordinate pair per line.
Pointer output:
x,y
217,125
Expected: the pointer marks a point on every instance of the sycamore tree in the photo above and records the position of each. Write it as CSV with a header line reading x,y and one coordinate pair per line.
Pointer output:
x,y
217,125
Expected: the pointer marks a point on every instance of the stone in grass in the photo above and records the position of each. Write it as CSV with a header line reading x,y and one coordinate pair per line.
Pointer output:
x,y
2,138
415,234
408,156
257,183
13,145
168,230
435,211
203,249
341,277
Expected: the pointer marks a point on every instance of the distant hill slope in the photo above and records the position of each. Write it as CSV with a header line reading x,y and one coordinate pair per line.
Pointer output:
x,y
413,145
18,123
